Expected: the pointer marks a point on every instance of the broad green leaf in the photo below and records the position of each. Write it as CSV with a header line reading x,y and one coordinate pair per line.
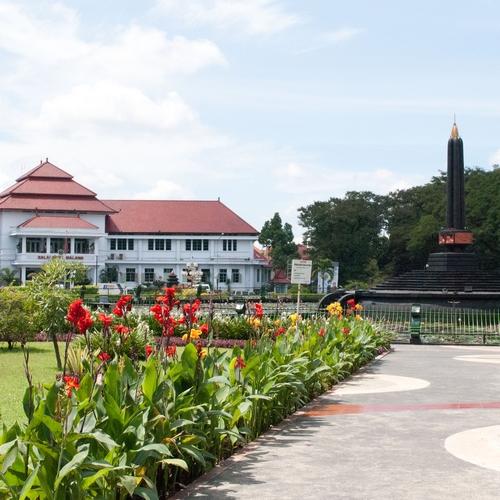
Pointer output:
x,y
72,465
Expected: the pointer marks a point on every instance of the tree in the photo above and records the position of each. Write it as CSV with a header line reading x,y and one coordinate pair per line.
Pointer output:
x,y
109,274
278,237
16,316
52,300
349,230
8,276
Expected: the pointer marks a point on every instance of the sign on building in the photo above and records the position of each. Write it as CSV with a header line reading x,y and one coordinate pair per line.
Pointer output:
x,y
301,272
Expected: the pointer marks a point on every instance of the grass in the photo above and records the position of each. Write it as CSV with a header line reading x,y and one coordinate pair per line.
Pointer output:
x,y
13,381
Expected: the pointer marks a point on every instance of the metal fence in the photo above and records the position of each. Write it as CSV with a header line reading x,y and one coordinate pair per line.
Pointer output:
x,y
434,324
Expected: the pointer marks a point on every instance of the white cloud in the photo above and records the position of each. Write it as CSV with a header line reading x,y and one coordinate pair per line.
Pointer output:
x,y
114,108
164,189
329,38
314,181
255,17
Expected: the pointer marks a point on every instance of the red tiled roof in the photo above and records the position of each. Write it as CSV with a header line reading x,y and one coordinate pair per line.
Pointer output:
x,y
53,204
46,169
280,278
303,252
48,188
261,255
57,222
175,217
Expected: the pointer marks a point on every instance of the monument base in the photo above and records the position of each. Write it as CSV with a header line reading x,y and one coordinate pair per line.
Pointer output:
x,y
452,261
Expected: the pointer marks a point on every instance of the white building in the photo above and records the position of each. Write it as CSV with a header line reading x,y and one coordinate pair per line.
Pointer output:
x,y
47,214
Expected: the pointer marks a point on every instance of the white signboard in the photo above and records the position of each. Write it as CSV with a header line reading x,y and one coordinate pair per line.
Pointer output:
x,y
301,272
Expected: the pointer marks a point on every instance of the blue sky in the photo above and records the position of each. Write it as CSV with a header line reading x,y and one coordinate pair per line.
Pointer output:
x,y
269,104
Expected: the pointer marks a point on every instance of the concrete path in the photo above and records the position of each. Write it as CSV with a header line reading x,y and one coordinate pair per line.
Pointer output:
x,y
421,423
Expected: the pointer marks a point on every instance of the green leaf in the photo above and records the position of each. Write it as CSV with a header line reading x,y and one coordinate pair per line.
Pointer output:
x,y
147,493
129,483
72,465
150,382
176,462
29,483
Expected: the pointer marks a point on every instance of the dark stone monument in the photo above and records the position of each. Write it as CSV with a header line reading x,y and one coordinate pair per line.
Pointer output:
x,y
452,275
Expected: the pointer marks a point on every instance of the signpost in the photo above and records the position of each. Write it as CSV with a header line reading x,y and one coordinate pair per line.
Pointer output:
x,y
301,275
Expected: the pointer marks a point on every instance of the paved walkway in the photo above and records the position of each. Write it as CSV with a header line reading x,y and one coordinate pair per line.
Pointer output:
x,y
421,423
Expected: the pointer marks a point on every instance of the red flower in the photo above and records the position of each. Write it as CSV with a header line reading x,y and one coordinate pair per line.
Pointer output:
x,y
123,306
239,362
280,331
321,332
259,310
149,350
122,329
105,319
351,303
70,384
346,330
204,328
79,317
104,357
170,351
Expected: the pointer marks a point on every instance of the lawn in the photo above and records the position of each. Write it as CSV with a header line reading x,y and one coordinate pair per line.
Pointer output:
x,y
13,381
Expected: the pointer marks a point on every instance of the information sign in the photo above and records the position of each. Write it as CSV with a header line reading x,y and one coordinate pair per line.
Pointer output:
x,y
301,272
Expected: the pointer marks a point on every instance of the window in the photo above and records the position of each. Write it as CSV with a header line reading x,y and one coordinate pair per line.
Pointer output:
x,y
36,245
258,275
205,276
130,274
82,245
130,244
112,244
167,271
229,245
197,245
149,274
121,244
235,275
222,275
59,245
159,244
19,245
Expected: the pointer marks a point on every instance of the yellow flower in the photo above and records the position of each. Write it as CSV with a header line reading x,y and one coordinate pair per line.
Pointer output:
x,y
255,322
294,318
358,307
277,322
358,317
195,333
334,309
203,354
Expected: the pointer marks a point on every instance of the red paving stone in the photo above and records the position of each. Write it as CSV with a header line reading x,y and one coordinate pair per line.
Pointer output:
x,y
343,409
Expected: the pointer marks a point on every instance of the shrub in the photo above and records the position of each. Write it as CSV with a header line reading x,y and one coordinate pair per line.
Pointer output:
x,y
16,316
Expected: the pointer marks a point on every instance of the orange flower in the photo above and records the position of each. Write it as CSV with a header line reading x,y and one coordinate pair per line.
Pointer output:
x,y
239,362
70,384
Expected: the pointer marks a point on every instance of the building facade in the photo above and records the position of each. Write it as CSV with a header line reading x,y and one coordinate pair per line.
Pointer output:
x,y
47,214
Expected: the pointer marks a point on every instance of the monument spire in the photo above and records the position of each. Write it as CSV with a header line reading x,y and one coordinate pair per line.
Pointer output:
x,y
455,213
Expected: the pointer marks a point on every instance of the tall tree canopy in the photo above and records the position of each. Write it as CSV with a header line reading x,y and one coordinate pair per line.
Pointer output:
x,y
348,230
368,234
279,238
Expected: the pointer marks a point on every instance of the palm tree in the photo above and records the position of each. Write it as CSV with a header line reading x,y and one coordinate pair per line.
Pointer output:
x,y
8,276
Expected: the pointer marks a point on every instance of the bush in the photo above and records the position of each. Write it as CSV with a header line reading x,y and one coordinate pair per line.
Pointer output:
x,y
16,316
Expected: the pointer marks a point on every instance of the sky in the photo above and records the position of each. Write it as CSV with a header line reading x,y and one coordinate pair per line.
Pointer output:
x,y
267,104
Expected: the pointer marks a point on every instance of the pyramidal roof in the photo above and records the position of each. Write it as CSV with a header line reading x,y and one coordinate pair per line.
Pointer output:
x,y
49,188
